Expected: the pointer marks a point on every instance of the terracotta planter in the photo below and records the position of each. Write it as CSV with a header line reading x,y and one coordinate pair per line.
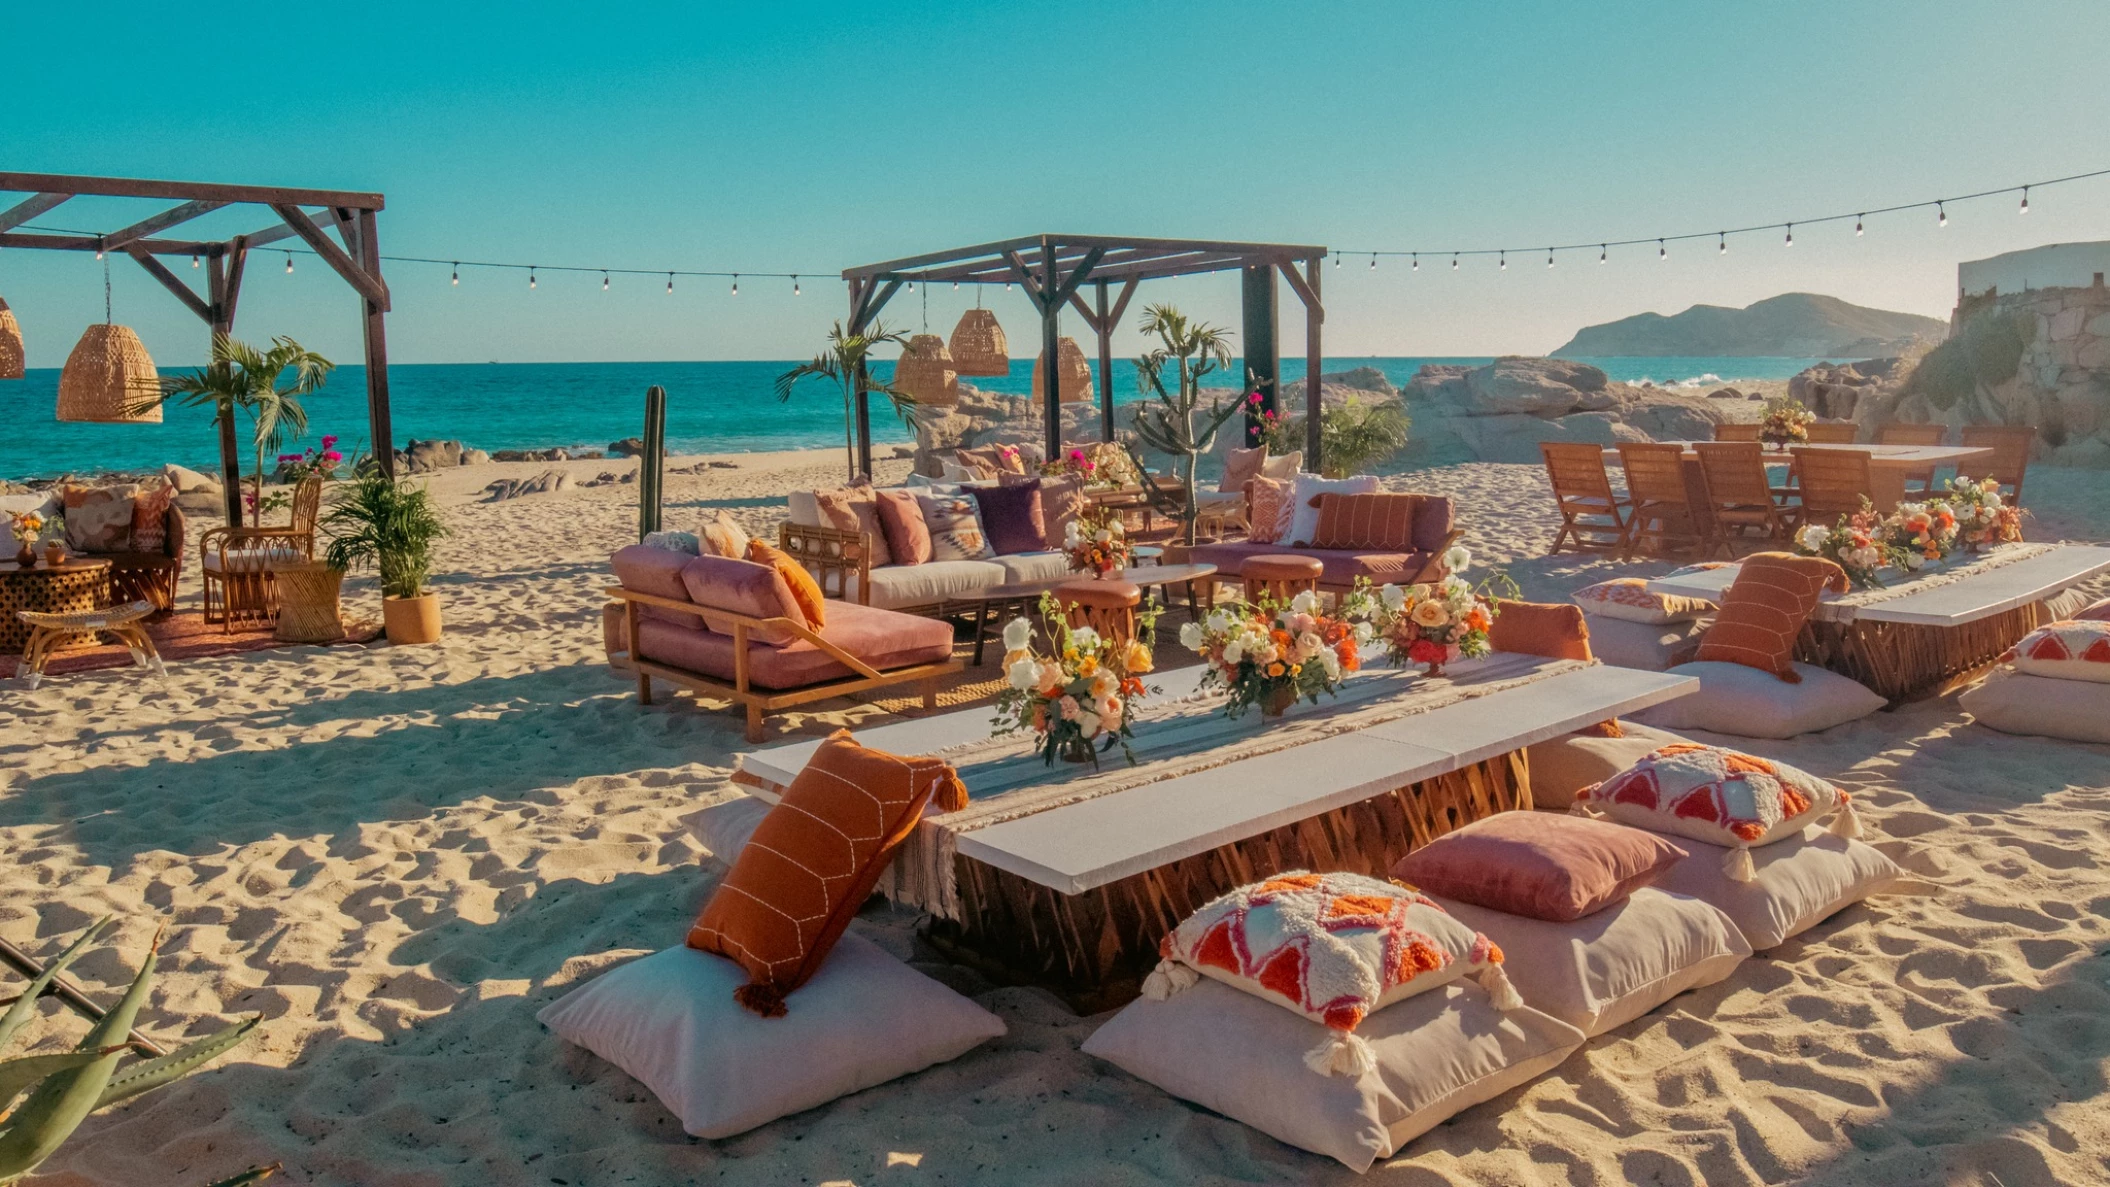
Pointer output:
x,y
54,554
412,620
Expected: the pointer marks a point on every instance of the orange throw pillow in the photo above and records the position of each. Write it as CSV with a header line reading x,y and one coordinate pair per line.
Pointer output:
x,y
1764,610
1267,510
1555,630
812,862
804,589
1380,522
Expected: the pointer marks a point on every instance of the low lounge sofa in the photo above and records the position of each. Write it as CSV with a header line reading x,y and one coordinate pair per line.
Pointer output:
x,y
841,561
713,624
1433,535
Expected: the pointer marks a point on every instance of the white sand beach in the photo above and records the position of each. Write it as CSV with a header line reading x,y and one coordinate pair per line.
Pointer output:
x,y
398,855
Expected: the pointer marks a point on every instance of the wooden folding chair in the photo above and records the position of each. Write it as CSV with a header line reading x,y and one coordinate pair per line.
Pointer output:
x,y
1834,481
1738,492
2011,445
1833,432
1918,482
1583,491
1736,432
1661,504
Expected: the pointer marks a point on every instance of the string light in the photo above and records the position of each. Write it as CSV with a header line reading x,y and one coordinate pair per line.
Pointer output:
x,y
1505,261
956,286
604,282
1662,252
1857,225
99,248
795,284
2025,200
795,287
1417,261
289,263
1602,253
1337,263
531,276
1941,215
456,279
1722,241
1373,261
194,255
1791,234
670,284
1549,257
1454,261
736,284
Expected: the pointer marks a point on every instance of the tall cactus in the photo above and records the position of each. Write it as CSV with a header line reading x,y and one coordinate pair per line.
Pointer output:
x,y
1168,425
64,1088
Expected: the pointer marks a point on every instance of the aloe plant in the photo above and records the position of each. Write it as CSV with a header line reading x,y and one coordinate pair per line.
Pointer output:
x,y
65,1087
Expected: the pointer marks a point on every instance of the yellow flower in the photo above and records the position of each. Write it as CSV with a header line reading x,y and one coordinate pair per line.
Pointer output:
x,y
1088,665
1138,659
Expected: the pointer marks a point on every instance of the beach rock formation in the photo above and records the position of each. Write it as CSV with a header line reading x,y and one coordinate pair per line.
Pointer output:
x,y
627,447
186,481
1501,411
474,457
423,457
548,482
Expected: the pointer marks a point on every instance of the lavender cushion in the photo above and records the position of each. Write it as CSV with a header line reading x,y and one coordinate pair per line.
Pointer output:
x,y
743,587
1539,865
882,638
1011,515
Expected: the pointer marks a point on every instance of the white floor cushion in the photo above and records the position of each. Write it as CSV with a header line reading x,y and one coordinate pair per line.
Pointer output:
x,y
1646,646
2019,703
1797,883
1747,703
724,827
1612,966
669,1020
1561,765
1437,1054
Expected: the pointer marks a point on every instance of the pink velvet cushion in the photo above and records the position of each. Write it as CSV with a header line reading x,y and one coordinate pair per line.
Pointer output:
x,y
654,571
881,638
1011,514
743,587
901,517
1432,523
1538,864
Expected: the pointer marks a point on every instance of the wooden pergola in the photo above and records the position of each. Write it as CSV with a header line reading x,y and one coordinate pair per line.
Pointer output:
x,y
354,255
1053,270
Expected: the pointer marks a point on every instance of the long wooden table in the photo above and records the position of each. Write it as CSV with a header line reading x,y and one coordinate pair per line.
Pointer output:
x,y
1925,639
1076,896
1888,468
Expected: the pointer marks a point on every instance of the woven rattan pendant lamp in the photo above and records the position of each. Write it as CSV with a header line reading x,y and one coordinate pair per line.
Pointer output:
x,y
926,372
109,377
13,362
1075,373
978,345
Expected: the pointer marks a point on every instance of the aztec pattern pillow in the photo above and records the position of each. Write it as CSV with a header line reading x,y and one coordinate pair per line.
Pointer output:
x,y
98,518
813,861
150,517
1764,611
1379,522
2071,650
1628,598
1720,796
855,509
955,525
724,537
1268,511
1332,947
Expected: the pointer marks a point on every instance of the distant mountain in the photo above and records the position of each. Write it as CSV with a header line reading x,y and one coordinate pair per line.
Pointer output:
x,y
1801,325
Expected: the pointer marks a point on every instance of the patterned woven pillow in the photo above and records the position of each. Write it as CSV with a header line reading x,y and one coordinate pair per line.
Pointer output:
x,y
99,518
1764,611
1335,948
2072,650
723,536
1720,796
1379,522
150,514
1269,510
1240,467
955,525
855,509
1628,598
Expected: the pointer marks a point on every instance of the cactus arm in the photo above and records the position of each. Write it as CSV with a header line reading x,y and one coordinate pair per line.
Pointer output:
x,y
64,1100
18,1075
26,1005
150,1074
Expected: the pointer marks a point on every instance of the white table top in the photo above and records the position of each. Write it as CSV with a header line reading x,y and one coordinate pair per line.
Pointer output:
x,y
1900,457
1076,847
1983,595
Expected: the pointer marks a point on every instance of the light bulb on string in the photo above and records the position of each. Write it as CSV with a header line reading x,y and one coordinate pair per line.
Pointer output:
x,y
1505,261
1549,257
1337,263
1791,234
531,276
194,255
2025,201
604,282
1662,252
795,287
289,263
456,278
1417,262
736,284
956,286
670,284
1454,261
1857,224
99,248
1602,253
1373,261
911,284
1721,240
1941,215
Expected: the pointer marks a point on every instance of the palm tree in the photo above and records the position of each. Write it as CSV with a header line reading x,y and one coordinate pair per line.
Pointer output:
x,y
1168,425
845,361
240,376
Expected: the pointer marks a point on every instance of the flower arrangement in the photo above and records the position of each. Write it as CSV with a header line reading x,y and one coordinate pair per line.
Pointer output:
x,y
323,460
1860,543
1103,464
1096,543
1436,623
1077,700
1786,422
1271,654
27,527
1982,519
1922,532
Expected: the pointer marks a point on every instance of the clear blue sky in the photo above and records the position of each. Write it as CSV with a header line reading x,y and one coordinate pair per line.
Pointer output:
x,y
808,137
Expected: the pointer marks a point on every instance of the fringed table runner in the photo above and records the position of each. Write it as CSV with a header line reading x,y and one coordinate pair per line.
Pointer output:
x,y
1175,737
1846,607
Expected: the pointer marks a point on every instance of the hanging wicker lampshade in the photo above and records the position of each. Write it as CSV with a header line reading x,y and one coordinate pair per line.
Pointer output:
x,y
1076,383
926,372
109,378
978,346
12,360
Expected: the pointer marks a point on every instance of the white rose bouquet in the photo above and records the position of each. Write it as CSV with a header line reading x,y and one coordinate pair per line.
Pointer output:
x,y
1077,701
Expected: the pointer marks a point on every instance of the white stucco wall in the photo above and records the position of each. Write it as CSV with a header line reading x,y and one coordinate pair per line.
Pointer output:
x,y
2055,265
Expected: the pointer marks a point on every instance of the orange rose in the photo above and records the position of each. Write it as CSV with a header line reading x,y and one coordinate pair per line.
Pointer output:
x,y
1275,669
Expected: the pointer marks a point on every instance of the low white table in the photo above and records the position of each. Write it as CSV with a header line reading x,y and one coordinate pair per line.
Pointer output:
x,y
1077,895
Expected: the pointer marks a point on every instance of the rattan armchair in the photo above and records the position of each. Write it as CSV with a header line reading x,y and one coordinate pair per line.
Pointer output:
x,y
235,563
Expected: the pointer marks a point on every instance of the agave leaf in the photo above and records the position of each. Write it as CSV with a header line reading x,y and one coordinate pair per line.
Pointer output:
x,y
26,1005
65,1099
255,1174
150,1074
16,1075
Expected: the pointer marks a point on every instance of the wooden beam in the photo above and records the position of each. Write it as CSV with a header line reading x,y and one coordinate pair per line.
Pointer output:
x,y
159,271
380,431
1121,303
160,222
1314,364
237,264
22,212
1305,293
159,247
369,286
223,277
1050,337
130,187
1032,286
1084,269
1103,323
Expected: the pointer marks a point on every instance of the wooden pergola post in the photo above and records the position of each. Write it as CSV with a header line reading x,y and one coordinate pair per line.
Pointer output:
x,y
1105,328
1307,289
1050,343
1263,359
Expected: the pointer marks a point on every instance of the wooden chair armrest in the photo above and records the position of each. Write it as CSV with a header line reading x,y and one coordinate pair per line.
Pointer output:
x,y
1433,567
744,623
831,552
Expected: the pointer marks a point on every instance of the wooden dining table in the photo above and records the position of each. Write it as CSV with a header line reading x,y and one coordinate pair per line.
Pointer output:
x,y
1888,468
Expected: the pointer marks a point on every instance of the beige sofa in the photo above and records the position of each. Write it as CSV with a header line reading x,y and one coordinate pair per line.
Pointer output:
x,y
841,560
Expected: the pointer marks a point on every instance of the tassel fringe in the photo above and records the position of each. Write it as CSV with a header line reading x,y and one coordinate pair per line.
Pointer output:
x,y
1342,1054
1499,989
1737,865
1167,979
1846,822
766,1000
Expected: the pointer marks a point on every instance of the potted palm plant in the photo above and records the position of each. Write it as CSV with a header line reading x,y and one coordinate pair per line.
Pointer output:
x,y
391,525
846,363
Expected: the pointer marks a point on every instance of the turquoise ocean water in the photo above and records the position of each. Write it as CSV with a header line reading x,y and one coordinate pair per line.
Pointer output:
x,y
718,407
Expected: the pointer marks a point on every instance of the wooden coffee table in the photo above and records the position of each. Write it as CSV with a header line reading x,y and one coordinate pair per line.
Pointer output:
x,y
1024,595
75,584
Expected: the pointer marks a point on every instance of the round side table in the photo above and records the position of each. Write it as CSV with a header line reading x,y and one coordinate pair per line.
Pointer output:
x,y
72,586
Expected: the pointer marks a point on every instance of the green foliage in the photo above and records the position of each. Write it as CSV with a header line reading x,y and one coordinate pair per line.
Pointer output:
x,y
242,377
1988,351
1353,436
65,1087
1193,349
846,363
390,524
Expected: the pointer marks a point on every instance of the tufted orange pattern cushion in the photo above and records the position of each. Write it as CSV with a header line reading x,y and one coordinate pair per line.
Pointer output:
x,y
1267,509
804,589
1382,522
812,862
1764,611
